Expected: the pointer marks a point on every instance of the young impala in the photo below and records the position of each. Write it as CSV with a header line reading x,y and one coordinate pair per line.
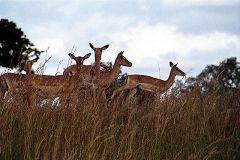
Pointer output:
x,y
149,83
71,70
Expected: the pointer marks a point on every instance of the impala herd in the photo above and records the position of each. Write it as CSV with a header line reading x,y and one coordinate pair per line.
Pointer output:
x,y
80,74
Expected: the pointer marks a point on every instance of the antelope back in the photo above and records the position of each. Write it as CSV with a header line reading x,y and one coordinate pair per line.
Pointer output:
x,y
72,70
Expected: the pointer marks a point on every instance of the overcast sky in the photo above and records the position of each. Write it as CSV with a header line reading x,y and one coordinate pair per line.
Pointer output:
x,y
192,33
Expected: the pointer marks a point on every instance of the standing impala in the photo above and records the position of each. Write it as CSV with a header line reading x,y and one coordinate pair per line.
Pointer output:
x,y
49,85
98,56
149,83
71,70
27,63
106,77
27,66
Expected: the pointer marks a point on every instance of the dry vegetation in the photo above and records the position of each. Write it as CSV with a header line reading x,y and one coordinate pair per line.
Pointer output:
x,y
190,126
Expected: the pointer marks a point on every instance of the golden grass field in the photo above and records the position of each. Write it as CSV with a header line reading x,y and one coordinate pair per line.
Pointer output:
x,y
190,126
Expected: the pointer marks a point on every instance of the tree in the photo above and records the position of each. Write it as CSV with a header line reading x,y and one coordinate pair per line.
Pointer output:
x,y
14,46
222,79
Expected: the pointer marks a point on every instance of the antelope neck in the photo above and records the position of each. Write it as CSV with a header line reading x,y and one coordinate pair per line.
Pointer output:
x,y
168,83
110,75
114,71
97,65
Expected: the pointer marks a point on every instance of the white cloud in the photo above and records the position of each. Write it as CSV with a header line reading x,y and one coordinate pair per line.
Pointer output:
x,y
182,3
47,34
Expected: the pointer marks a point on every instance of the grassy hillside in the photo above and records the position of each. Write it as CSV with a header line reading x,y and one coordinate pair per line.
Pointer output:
x,y
188,127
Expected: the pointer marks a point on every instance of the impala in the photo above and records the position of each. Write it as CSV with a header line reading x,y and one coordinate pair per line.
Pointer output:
x,y
71,70
27,63
149,83
98,56
27,66
106,77
49,85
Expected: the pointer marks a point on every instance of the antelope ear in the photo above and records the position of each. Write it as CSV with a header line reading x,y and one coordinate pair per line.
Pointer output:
x,y
71,55
171,64
121,53
92,46
105,47
87,55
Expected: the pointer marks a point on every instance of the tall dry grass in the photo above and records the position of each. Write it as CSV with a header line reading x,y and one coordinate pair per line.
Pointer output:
x,y
190,126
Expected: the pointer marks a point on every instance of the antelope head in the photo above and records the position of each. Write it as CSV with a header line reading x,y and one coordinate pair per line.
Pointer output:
x,y
175,70
122,60
98,51
79,60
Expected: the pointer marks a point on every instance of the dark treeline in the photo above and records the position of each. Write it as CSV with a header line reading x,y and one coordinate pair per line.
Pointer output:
x,y
222,79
